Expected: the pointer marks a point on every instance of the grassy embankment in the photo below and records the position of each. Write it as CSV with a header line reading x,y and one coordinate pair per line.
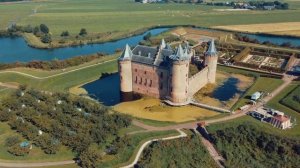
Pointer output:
x,y
128,16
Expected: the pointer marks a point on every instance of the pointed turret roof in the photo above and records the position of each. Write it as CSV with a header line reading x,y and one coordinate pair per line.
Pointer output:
x,y
127,53
163,44
180,54
212,49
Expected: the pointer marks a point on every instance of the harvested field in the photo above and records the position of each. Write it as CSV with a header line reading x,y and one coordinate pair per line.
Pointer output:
x,y
285,28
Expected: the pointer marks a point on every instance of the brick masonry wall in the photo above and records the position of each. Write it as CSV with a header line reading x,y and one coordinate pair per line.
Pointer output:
x,y
150,80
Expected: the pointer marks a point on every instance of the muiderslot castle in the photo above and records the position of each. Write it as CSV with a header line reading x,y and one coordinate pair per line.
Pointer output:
x,y
163,72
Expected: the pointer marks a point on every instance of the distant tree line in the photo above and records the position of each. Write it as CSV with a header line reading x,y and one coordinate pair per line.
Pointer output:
x,y
10,0
252,4
78,123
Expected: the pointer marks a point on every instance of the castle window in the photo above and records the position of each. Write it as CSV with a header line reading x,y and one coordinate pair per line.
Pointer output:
x,y
135,70
150,83
145,82
145,72
161,86
136,79
161,74
141,80
171,89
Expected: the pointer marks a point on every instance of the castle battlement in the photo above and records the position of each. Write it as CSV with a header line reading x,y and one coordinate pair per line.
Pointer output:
x,y
163,72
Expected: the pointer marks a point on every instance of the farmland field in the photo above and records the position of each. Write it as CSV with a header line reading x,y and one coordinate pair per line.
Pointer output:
x,y
127,16
292,99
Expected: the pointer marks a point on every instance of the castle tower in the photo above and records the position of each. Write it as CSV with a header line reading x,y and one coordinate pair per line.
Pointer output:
x,y
125,70
179,79
211,60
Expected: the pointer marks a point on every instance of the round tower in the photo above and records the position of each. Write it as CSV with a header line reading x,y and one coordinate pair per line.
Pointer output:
x,y
211,61
179,80
125,70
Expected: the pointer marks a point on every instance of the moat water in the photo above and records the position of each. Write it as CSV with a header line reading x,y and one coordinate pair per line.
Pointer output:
x,y
227,90
107,90
16,49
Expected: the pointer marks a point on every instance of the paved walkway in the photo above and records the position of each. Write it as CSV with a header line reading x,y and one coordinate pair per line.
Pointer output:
x,y
138,155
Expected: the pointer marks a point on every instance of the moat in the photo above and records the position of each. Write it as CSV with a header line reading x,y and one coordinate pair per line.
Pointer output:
x,y
17,50
107,90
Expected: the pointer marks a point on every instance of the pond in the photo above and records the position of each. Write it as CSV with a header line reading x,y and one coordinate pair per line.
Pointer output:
x,y
107,90
228,90
16,49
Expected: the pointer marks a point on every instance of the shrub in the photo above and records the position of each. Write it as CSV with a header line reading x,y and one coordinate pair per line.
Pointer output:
x,y
12,140
44,28
46,38
83,32
18,151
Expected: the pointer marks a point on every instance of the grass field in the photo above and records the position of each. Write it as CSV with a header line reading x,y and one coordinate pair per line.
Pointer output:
x,y
62,82
262,84
126,16
290,101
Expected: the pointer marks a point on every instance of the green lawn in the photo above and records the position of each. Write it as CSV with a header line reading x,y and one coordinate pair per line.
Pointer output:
x,y
290,101
62,82
125,15
263,84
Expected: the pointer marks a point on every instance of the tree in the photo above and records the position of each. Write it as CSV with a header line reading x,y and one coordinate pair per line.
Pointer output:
x,y
46,38
36,30
44,28
83,32
12,140
90,157
64,34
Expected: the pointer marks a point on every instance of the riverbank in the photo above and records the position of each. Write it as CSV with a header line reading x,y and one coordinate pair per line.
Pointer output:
x,y
92,38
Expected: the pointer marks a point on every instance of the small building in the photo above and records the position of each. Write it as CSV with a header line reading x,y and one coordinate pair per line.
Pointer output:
x,y
255,96
281,121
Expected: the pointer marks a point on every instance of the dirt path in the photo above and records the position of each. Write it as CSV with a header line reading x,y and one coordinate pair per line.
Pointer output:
x,y
140,151
43,164
9,85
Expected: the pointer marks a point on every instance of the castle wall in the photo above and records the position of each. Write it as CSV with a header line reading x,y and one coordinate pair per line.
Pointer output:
x,y
150,80
198,81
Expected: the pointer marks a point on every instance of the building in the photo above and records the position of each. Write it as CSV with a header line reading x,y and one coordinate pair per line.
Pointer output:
x,y
255,96
281,121
163,73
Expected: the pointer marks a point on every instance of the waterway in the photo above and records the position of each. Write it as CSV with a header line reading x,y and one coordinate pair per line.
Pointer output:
x,y
16,49
228,90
